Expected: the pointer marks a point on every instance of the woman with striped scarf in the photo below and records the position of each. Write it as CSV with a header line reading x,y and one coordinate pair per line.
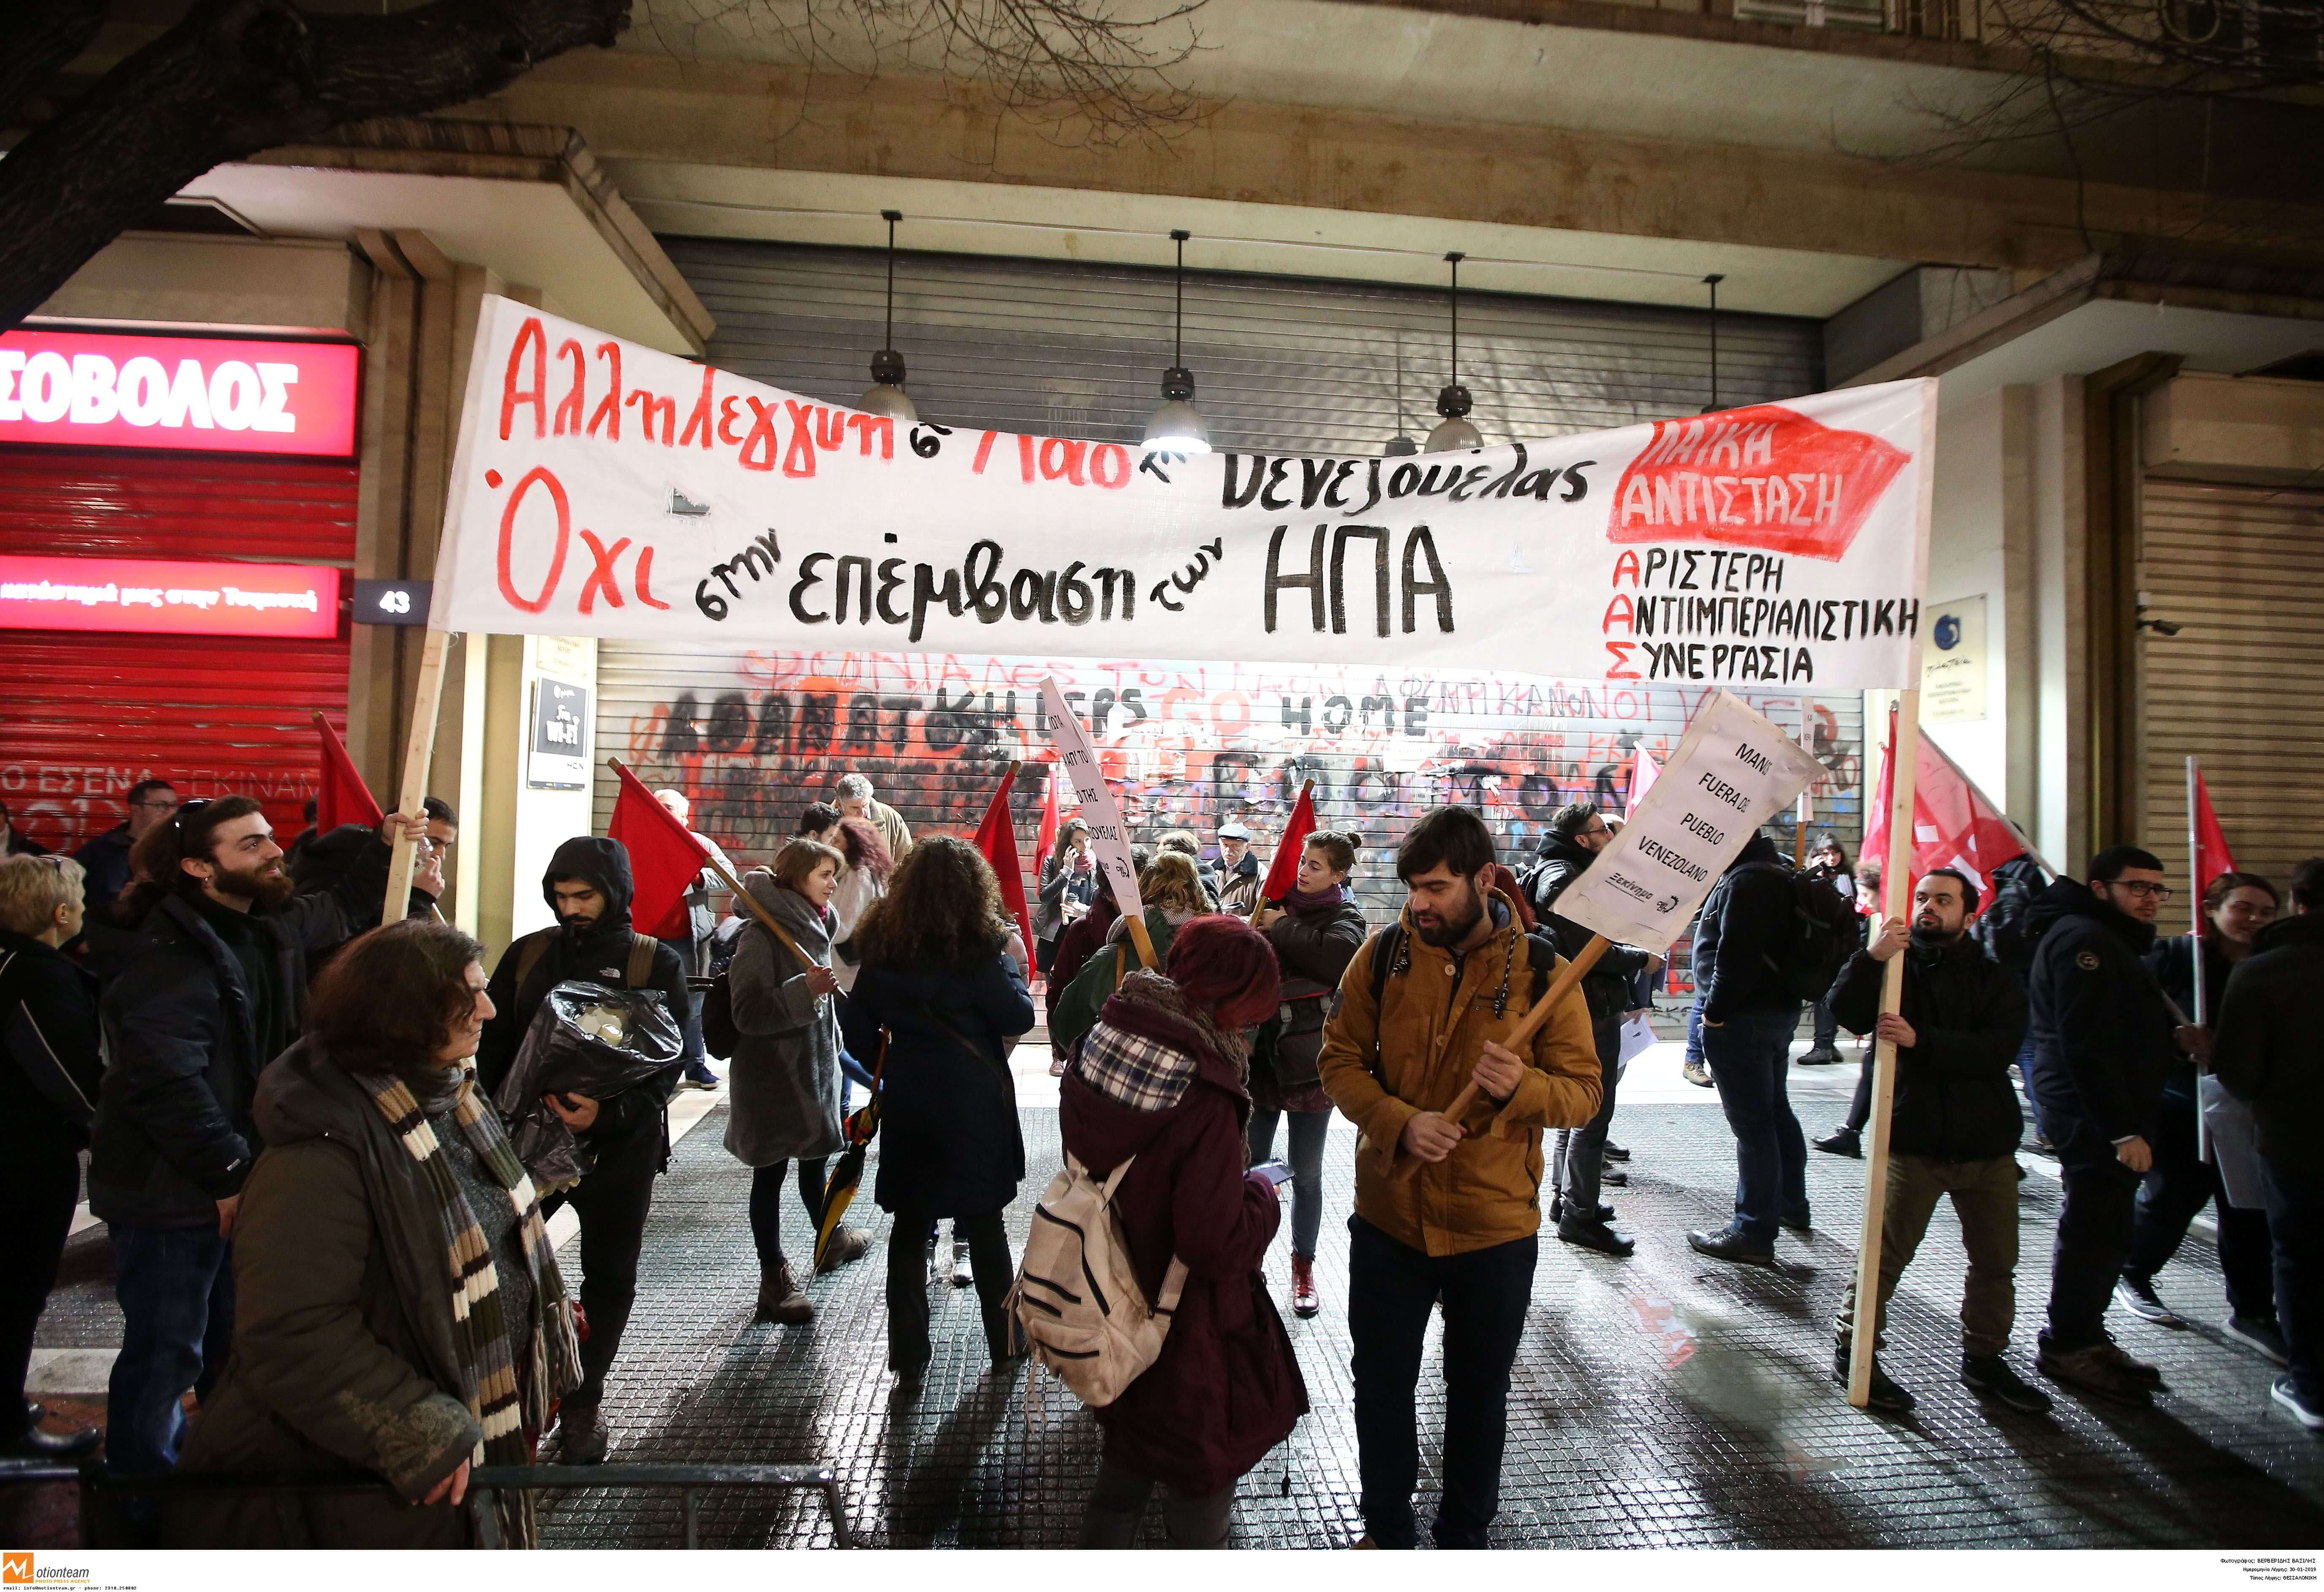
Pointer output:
x,y
397,1308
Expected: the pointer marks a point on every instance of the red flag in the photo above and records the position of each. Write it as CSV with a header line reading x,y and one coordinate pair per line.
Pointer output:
x,y
1283,877
2212,857
1953,825
665,858
1876,822
341,797
1643,771
1045,840
996,837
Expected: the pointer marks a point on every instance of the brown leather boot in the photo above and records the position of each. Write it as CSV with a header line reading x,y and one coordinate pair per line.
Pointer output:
x,y
779,1299
1305,1300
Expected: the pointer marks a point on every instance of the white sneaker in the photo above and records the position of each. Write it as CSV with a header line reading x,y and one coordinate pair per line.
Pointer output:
x,y
2304,1412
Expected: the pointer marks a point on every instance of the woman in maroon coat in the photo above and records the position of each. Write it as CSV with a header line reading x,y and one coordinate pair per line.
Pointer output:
x,y
1162,1077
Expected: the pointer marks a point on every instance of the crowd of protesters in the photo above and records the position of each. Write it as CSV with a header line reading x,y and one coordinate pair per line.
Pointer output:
x,y
325,1148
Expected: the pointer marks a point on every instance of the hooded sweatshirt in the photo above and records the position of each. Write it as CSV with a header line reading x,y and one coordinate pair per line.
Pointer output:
x,y
597,951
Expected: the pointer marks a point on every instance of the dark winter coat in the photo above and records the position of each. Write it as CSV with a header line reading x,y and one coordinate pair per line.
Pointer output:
x,y
2172,963
600,954
343,1360
1311,949
949,1141
51,1052
105,860
1745,920
1073,1007
1059,885
1954,1100
1606,986
1234,888
174,1134
1226,1387
2006,928
2102,1034
783,1082
2267,1042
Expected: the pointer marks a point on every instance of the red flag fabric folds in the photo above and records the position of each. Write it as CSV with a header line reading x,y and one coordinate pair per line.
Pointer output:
x,y
996,837
665,858
341,797
2212,857
1283,873
1953,826
1045,840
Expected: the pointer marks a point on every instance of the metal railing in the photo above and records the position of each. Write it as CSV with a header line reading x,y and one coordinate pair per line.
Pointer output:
x,y
101,1492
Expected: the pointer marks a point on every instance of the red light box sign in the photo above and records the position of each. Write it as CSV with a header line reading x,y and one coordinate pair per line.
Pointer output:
x,y
167,598
211,394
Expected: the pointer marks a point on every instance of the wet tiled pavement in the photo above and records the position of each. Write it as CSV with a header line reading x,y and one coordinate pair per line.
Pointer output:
x,y
1666,1400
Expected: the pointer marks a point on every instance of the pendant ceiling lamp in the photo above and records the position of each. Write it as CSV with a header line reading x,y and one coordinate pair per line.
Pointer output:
x,y
1454,432
1401,445
1178,426
1712,281
886,394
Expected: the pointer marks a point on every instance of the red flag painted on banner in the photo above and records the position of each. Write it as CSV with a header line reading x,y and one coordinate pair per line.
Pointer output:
x,y
1643,771
1283,875
665,858
341,797
996,837
2212,857
1953,826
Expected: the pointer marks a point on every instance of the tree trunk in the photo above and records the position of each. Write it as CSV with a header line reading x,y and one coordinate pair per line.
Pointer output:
x,y
239,76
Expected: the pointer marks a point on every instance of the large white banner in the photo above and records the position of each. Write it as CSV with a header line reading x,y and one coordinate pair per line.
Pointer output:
x,y
602,488
1734,771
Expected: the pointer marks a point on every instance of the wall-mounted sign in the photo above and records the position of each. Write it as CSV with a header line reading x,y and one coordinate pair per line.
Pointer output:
x,y
161,596
214,394
391,602
559,745
1952,662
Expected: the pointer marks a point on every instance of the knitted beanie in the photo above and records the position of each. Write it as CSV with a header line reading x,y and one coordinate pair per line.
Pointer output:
x,y
1224,966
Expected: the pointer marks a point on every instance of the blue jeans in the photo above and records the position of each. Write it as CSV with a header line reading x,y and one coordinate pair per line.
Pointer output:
x,y
1694,1028
1750,1060
176,1290
2296,1223
1305,1155
1392,1291
689,1021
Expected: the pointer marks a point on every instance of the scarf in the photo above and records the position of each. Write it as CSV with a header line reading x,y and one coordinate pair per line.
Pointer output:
x,y
512,1404
1152,990
1298,902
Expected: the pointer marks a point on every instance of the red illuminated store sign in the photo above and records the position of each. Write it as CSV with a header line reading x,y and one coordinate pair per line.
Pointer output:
x,y
215,394
167,597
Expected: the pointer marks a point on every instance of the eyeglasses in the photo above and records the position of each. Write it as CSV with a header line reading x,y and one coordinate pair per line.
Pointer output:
x,y
151,805
2141,888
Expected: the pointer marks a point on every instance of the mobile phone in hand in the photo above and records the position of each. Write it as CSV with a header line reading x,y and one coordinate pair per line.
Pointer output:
x,y
1274,1171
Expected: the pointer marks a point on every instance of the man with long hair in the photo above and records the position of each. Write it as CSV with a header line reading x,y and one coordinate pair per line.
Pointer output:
x,y
217,989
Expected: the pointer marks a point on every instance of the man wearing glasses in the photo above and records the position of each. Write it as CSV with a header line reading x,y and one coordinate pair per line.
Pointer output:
x,y
107,857
2104,1042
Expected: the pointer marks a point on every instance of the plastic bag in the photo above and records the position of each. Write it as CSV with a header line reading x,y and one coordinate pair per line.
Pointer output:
x,y
587,1039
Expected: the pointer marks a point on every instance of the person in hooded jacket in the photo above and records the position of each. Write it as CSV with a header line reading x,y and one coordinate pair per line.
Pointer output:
x,y
402,1313
785,1074
941,972
1953,1128
2105,1040
2265,1048
216,989
1314,930
1161,1079
589,887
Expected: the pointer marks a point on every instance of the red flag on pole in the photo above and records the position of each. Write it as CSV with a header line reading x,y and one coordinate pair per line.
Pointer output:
x,y
1953,824
341,797
665,858
1644,772
1283,874
996,837
2212,857
1045,840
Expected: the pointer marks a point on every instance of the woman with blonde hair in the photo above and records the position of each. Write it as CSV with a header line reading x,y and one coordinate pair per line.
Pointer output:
x,y
1171,890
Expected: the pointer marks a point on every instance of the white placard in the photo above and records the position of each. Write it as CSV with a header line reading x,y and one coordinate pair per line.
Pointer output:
x,y
1734,770
601,488
1108,836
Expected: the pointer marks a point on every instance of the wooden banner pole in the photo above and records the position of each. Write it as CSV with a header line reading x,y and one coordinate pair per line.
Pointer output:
x,y
1305,790
1896,899
1559,988
420,746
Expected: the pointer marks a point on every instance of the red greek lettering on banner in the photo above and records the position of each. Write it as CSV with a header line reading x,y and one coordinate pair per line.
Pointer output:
x,y
1764,477
508,536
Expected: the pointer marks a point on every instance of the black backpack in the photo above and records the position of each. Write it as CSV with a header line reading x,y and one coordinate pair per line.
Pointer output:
x,y
1824,934
2006,927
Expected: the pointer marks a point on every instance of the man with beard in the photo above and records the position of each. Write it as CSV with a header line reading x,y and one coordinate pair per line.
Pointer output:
x,y
1446,1210
2104,1043
213,990
1577,834
1954,1127
589,887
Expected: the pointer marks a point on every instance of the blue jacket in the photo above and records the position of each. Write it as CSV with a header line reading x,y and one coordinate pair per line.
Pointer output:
x,y
949,1142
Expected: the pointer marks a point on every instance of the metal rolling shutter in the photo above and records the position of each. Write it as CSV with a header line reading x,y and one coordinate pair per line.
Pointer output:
x,y
89,715
1282,364
2242,685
